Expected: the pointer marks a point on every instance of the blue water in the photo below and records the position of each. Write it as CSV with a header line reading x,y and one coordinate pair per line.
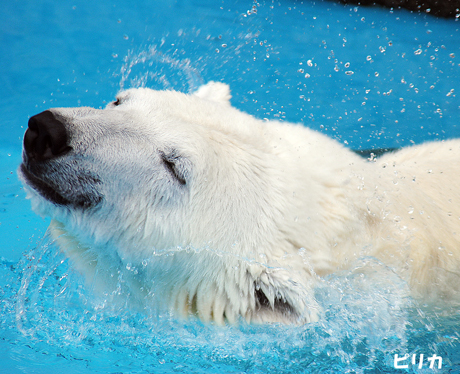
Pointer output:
x,y
369,77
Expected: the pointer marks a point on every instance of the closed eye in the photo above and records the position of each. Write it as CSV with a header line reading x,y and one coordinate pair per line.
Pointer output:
x,y
117,102
169,163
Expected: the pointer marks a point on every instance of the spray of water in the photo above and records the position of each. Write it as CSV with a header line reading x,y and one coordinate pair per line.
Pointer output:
x,y
365,319
153,68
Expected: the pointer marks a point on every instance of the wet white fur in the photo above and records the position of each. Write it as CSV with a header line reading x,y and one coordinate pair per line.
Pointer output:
x,y
267,205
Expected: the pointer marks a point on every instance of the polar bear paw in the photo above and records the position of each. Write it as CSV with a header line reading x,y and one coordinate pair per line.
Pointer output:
x,y
215,91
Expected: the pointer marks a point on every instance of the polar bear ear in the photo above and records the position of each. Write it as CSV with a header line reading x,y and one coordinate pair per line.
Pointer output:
x,y
215,91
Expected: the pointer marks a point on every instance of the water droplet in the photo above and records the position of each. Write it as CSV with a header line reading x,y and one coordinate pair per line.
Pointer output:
x,y
349,72
452,55
418,51
347,64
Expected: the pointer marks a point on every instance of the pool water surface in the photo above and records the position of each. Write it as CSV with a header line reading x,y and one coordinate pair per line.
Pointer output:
x,y
369,77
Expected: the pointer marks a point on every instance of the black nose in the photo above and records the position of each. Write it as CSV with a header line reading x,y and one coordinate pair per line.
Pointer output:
x,y
46,137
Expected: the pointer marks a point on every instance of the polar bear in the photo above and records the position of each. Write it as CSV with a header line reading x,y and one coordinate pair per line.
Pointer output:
x,y
228,217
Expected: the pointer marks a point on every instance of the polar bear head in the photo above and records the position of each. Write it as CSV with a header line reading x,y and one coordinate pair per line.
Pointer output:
x,y
159,170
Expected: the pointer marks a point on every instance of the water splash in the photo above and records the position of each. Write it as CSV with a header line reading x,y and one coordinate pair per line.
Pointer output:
x,y
156,69
367,319
50,296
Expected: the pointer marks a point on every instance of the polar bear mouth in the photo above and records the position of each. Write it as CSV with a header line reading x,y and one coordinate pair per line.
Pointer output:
x,y
42,187
49,192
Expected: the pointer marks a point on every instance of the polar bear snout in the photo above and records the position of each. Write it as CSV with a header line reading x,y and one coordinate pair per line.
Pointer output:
x,y
50,168
45,138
